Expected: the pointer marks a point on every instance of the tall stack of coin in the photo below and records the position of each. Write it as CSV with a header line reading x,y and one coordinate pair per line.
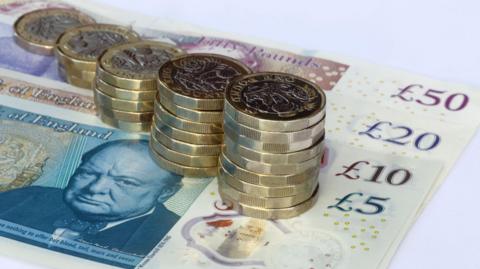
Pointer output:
x,y
37,31
187,132
126,83
78,48
274,139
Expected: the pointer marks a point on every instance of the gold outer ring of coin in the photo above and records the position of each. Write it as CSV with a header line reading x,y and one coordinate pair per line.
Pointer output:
x,y
191,103
126,125
263,213
78,82
190,114
129,79
183,147
125,116
120,104
168,89
263,202
181,169
266,180
275,169
275,158
263,191
86,62
74,63
278,137
41,46
271,124
186,125
183,159
270,147
133,86
124,94
84,75
189,137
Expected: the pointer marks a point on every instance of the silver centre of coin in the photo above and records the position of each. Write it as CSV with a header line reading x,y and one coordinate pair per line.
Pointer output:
x,y
277,98
92,44
50,27
204,77
141,60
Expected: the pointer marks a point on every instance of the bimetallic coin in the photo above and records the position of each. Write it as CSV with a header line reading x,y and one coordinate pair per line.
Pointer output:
x,y
270,147
135,65
82,45
126,125
279,137
182,169
263,202
263,191
276,102
263,213
183,147
124,94
275,158
189,137
124,115
186,125
183,159
114,103
263,179
275,169
190,114
38,31
198,81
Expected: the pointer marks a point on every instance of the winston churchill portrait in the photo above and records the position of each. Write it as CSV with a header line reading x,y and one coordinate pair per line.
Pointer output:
x,y
114,199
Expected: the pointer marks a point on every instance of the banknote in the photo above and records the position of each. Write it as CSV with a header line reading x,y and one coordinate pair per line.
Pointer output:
x,y
406,92
84,190
257,57
46,92
356,169
365,198
409,97
391,134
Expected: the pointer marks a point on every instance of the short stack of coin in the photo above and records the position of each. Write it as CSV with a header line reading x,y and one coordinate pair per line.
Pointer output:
x,y
187,133
78,48
37,31
274,140
126,83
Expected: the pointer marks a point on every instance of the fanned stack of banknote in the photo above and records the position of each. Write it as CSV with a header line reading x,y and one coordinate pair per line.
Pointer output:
x,y
78,193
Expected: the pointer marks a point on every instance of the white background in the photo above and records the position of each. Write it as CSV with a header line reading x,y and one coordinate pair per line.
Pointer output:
x,y
437,38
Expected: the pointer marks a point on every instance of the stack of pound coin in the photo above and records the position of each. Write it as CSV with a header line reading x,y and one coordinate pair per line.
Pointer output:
x,y
273,145
37,31
78,48
187,132
126,83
